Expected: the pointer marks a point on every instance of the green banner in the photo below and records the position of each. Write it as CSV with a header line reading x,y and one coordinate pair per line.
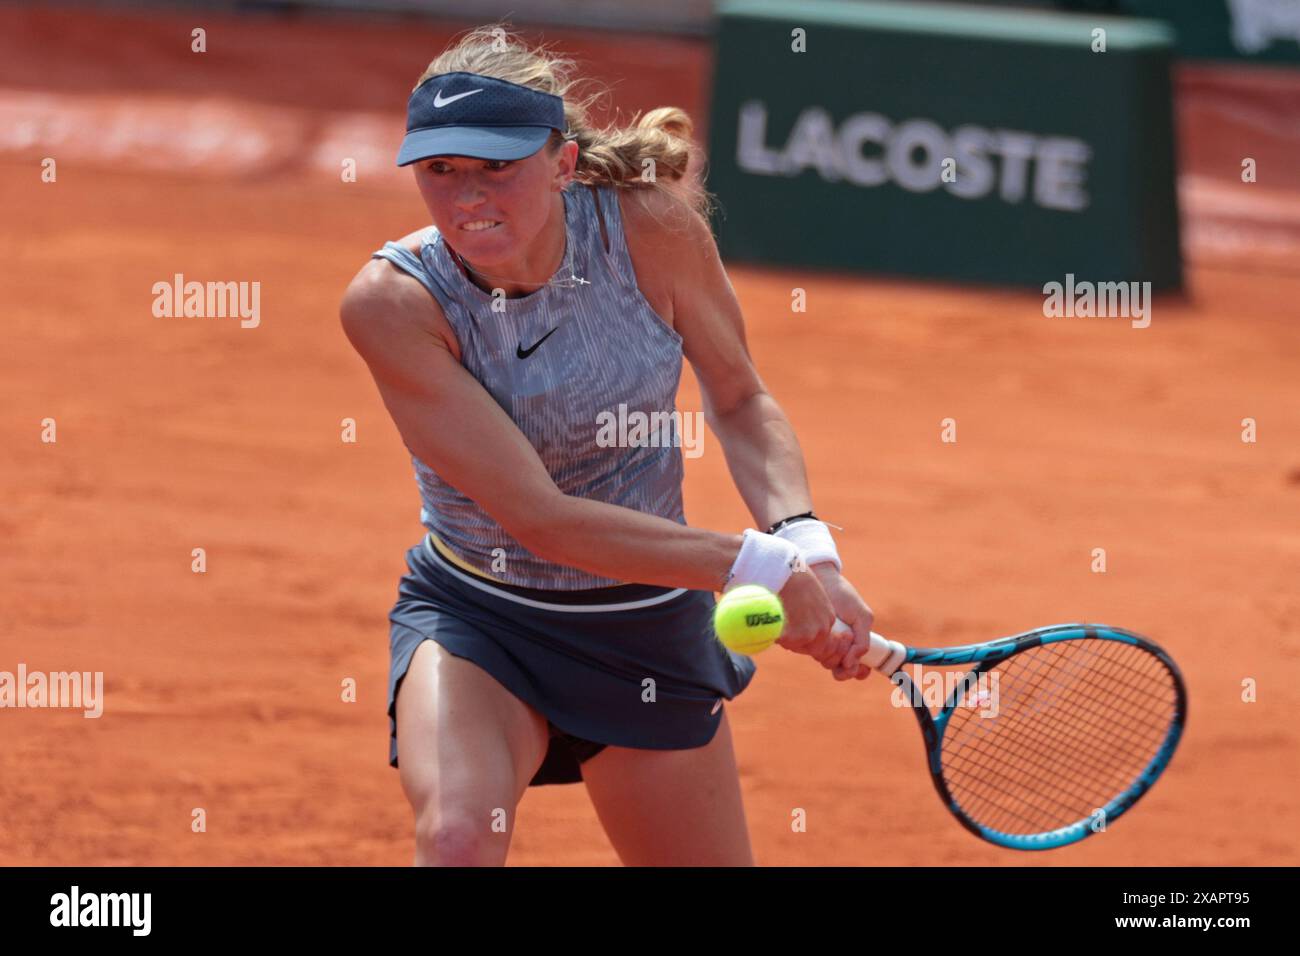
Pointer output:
x,y
937,140
1259,31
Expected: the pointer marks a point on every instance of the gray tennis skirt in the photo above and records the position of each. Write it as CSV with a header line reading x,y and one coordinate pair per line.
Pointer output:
x,y
634,665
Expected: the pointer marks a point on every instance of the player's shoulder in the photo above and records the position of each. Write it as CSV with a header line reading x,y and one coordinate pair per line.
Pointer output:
x,y
381,296
381,283
661,225
661,211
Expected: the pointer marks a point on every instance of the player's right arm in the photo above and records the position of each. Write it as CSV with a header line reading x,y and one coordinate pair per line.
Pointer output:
x,y
453,424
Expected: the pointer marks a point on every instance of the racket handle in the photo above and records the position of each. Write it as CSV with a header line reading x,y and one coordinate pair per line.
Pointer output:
x,y
883,655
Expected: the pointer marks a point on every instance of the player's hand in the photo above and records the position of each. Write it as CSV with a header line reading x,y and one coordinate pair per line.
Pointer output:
x,y
809,615
853,611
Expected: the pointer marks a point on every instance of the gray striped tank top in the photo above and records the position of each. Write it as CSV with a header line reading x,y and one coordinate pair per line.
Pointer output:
x,y
604,347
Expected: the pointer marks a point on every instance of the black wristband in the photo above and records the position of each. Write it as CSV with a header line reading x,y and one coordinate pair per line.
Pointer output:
x,y
785,521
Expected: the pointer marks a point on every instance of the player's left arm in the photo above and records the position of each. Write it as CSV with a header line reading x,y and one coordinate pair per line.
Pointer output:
x,y
758,441
760,446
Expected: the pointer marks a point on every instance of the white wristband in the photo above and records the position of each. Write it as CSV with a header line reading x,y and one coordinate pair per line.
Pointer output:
x,y
814,540
763,559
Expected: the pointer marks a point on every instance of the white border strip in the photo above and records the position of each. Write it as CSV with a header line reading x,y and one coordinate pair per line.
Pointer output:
x,y
451,569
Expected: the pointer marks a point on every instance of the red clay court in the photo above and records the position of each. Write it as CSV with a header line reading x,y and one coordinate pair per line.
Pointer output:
x,y
223,689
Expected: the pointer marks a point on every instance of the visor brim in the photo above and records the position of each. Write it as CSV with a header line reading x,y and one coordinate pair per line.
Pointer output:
x,y
478,142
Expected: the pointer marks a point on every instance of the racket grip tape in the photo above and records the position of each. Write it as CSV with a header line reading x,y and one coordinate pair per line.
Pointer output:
x,y
883,655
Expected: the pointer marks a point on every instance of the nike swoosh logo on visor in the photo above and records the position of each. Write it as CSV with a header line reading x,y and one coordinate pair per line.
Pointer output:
x,y
440,101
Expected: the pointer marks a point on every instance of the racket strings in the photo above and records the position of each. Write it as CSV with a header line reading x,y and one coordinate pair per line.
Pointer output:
x,y
1066,738
1042,750
1025,799
1076,723
1055,750
1126,701
1103,679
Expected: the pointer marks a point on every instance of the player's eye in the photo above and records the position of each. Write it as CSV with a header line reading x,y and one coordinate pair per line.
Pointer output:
x,y
493,165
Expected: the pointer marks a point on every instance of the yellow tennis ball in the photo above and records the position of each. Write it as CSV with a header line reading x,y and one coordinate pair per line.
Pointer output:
x,y
749,619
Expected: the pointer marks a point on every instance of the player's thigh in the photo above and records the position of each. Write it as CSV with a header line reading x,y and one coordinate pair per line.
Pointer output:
x,y
672,807
466,747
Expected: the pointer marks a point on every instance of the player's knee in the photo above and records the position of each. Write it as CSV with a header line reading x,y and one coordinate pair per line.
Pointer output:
x,y
455,839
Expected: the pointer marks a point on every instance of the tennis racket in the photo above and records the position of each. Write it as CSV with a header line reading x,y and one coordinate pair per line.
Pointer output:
x,y
1047,733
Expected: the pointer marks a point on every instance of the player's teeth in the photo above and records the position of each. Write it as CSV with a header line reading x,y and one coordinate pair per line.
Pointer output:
x,y
480,225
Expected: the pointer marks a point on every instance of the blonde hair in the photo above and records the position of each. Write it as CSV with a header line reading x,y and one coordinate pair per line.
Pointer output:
x,y
608,155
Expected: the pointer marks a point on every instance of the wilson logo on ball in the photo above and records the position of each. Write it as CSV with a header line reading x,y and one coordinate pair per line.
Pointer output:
x,y
765,617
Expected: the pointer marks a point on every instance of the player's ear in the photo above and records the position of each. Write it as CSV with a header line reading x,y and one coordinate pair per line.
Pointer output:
x,y
565,155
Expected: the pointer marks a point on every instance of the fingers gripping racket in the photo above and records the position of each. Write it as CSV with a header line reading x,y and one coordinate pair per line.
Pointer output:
x,y
1048,733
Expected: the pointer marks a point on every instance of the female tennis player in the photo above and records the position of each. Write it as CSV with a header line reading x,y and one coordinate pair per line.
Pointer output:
x,y
556,621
